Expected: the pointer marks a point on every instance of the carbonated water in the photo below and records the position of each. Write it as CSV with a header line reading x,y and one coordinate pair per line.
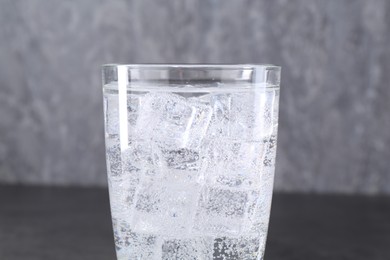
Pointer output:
x,y
190,171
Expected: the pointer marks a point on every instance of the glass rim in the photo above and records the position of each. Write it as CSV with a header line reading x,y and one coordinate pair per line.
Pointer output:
x,y
222,66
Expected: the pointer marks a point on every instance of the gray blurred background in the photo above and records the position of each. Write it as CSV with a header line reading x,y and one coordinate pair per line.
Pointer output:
x,y
334,131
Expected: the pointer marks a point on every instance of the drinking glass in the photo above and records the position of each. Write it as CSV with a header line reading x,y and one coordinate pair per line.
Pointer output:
x,y
190,155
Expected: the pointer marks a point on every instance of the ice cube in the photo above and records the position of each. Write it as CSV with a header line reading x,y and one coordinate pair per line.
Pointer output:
x,y
259,209
201,97
194,248
111,114
163,208
251,114
235,163
225,212
122,193
173,120
137,156
221,104
133,245
133,104
243,247
140,154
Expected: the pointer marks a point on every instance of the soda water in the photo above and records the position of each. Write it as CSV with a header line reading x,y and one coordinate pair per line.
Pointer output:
x,y
190,170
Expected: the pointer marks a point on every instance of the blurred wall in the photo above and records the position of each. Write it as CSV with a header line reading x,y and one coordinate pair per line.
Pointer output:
x,y
335,102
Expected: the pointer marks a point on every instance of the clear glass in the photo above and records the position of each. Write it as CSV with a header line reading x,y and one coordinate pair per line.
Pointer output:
x,y
190,158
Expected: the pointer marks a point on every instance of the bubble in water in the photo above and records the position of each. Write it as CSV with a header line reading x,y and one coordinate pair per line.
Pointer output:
x,y
182,165
189,249
133,245
247,248
113,154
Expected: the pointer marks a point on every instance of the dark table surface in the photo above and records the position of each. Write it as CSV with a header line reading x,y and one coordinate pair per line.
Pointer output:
x,y
74,224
